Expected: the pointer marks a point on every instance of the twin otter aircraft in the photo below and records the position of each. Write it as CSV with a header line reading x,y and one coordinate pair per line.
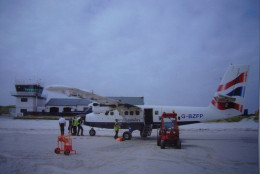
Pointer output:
x,y
228,101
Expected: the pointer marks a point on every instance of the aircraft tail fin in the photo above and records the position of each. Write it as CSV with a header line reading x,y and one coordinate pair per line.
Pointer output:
x,y
230,95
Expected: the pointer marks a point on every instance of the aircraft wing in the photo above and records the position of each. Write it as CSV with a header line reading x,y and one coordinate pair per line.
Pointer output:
x,y
74,92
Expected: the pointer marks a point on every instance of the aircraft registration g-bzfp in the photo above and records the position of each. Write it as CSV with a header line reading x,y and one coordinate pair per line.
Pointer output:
x,y
228,101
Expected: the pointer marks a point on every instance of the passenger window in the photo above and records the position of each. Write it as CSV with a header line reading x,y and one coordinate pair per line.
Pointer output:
x,y
156,112
137,113
131,112
126,112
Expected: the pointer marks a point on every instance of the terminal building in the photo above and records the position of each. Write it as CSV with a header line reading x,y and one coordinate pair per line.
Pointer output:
x,y
31,101
29,97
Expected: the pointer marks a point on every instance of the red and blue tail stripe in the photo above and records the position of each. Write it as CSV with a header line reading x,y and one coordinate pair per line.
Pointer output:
x,y
229,105
240,91
240,79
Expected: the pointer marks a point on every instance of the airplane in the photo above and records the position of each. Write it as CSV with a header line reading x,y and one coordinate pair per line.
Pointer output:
x,y
228,101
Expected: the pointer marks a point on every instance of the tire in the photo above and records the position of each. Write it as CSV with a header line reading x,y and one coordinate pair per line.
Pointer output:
x,y
159,141
127,135
92,132
66,152
144,136
162,144
57,150
178,144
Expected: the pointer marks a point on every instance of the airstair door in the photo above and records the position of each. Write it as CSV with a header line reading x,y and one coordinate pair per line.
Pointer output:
x,y
148,116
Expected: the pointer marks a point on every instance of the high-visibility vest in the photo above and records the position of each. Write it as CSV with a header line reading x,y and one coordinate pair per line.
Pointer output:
x,y
75,122
116,126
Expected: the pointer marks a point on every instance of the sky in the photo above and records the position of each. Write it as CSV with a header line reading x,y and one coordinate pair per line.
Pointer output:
x,y
171,52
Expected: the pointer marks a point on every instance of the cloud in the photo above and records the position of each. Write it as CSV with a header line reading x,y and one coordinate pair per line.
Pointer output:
x,y
171,52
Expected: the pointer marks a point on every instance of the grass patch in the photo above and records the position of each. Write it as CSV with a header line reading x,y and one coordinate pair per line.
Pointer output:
x,y
238,118
5,109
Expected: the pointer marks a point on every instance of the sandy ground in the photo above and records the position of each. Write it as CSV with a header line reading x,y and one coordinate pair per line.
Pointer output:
x,y
27,146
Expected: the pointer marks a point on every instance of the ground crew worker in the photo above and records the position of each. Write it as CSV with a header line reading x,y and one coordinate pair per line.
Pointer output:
x,y
70,125
62,123
116,128
75,124
80,128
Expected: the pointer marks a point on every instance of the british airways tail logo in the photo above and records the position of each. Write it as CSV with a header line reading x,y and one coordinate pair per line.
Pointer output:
x,y
239,91
240,79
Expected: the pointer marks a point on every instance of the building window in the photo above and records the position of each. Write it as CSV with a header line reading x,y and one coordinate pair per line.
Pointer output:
x,y
131,112
111,113
137,113
156,112
67,109
54,109
126,112
23,110
24,99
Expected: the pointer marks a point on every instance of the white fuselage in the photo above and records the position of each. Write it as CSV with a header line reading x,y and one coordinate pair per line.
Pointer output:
x,y
151,115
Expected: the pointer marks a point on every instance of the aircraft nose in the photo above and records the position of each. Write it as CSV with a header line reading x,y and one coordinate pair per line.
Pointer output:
x,y
87,119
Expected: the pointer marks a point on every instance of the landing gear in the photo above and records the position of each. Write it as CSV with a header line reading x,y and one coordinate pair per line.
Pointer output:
x,y
142,135
127,135
146,130
92,132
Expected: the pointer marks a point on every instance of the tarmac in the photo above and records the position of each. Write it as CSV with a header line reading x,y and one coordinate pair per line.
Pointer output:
x,y
27,146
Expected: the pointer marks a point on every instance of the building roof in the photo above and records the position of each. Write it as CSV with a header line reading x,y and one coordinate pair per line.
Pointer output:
x,y
67,102
85,102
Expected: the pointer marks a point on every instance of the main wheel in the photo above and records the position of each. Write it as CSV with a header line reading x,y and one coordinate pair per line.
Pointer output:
x,y
141,134
92,132
127,135
66,151
162,144
57,150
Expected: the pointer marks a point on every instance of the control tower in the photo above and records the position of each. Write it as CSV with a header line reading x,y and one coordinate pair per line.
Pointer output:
x,y
29,97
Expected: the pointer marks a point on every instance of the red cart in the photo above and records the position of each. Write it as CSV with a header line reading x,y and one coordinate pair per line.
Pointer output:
x,y
168,134
64,145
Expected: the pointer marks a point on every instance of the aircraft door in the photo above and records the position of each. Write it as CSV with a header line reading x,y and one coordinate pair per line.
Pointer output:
x,y
148,116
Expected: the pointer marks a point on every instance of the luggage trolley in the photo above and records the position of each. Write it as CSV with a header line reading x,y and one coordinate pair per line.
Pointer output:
x,y
64,145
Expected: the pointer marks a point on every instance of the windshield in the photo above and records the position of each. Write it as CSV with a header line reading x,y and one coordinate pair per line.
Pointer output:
x,y
169,123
